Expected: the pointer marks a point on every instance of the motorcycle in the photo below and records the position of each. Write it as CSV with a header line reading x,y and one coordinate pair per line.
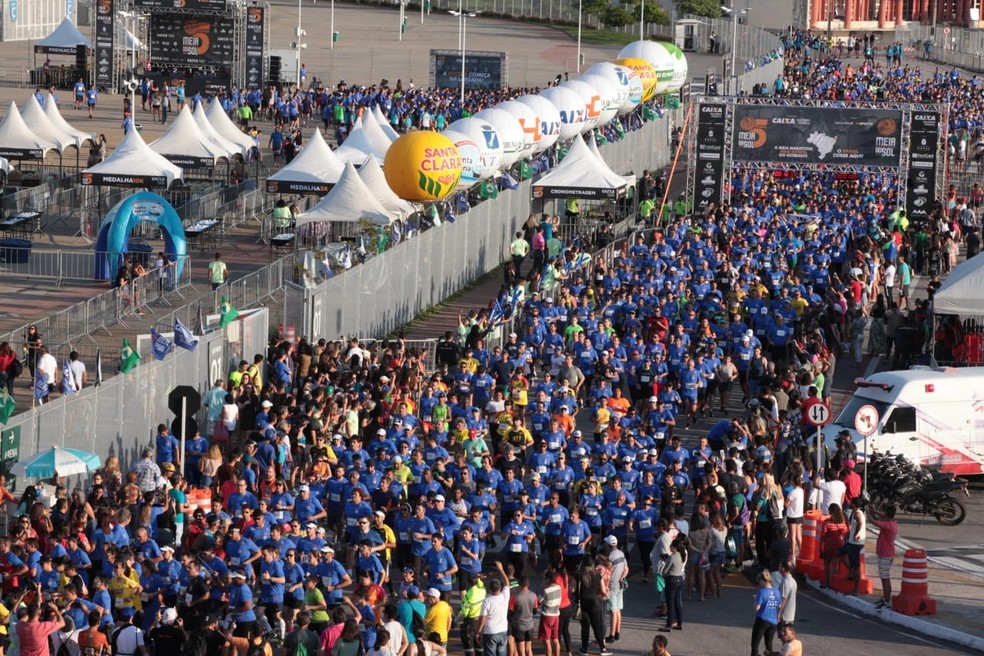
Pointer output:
x,y
897,481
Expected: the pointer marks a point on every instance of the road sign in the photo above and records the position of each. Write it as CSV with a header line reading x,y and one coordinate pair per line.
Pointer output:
x,y
946,30
184,392
818,414
866,420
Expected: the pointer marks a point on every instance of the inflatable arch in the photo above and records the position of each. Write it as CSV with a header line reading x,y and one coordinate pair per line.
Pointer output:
x,y
114,233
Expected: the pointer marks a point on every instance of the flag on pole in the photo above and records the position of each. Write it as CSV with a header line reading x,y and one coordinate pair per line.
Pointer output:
x,y
40,385
160,346
68,379
227,312
183,337
128,357
99,367
7,406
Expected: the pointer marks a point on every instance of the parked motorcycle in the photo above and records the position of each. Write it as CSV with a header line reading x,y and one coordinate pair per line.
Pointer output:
x,y
898,481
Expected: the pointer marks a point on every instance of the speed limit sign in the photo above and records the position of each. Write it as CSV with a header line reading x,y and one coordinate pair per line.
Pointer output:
x,y
818,414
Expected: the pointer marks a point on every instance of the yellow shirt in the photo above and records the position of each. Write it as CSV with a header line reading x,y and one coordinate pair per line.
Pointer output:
x,y
799,305
437,620
126,592
402,474
601,417
472,364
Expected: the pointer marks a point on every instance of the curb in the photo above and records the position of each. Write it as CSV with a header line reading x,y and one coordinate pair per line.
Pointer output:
x,y
921,626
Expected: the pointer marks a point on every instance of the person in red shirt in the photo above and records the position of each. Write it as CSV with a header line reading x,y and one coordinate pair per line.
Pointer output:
x,y
853,482
888,531
32,633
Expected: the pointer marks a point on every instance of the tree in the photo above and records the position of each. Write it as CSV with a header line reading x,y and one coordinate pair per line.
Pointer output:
x,y
615,16
708,8
655,14
594,7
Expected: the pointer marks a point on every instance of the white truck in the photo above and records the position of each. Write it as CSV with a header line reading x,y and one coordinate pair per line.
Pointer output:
x,y
932,416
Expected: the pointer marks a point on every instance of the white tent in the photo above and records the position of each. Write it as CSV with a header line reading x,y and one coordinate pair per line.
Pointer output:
x,y
372,174
133,164
56,118
39,123
384,124
580,175
213,136
314,169
349,200
184,144
366,140
961,291
65,38
225,127
17,141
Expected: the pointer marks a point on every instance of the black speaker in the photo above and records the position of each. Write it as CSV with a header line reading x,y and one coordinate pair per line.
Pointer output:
x,y
274,75
80,63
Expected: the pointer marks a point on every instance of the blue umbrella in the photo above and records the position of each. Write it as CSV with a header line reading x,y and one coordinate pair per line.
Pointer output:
x,y
57,460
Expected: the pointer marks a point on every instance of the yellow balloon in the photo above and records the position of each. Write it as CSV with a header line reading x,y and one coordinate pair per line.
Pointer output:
x,y
646,73
422,166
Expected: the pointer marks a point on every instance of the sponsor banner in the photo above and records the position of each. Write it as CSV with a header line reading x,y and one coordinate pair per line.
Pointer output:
x,y
710,154
115,180
184,41
186,161
817,135
924,141
200,5
575,192
21,153
57,50
254,46
483,70
102,43
293,187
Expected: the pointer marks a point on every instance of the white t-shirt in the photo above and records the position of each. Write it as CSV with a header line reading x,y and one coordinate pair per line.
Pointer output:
x,y
495,609
395,630
890,275
833,492
795,508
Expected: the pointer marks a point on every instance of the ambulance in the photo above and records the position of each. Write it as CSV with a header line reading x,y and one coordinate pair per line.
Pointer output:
x,y
933,416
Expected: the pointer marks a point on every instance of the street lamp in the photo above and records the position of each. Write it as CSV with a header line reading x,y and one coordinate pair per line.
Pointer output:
x,y
577,65
733,81
642,21
132,17
332,27
463,17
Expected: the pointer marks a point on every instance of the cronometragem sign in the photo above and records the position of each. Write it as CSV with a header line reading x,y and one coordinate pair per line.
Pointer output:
x,y
817,135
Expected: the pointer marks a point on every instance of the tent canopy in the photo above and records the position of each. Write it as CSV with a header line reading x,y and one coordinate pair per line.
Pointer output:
x,y
64,40
226,128
133,164
39,123
350,200
366,140
961,292
315,169
372,174
213,136
184,144
51,111
580,175
17,141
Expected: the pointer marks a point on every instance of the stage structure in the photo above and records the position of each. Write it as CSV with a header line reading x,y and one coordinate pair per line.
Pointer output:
x,y
208,45
845,138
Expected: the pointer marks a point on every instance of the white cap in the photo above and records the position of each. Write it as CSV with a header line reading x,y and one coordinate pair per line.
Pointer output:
x,y
236,575
327,549
311,525
381,431
433,592
653,452
653,399
304,488
267,404
380,513
439,497
169,616
612,540
167,547
398,459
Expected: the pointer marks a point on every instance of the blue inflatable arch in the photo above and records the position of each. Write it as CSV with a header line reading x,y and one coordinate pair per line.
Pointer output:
x,y
114,233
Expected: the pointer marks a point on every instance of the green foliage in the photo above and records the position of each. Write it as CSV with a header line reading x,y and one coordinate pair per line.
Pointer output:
x,y
709,8
615,16
654,13
594,7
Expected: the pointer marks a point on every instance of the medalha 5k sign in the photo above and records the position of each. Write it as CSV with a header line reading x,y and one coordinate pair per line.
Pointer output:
x,y
817,135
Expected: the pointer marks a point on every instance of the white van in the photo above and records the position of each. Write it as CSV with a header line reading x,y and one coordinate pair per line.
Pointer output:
x,y
932,416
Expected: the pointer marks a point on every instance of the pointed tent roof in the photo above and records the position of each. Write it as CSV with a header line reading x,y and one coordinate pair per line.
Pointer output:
x,y
213,136
581,175
56,118
133,164
225,127
349,200
372,174
17,141
365,140
39,123
65,36
313,171
593,145
961,291
384,125
185,145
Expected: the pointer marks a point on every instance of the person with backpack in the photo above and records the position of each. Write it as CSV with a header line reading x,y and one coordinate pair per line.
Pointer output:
x,y
302,641
255,644
125,639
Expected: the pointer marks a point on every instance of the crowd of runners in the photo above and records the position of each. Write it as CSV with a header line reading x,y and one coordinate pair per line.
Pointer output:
x,y
641,418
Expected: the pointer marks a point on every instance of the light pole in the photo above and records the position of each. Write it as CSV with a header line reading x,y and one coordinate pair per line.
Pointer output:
x,y
298,46
131,35
463,17
733,82
642,21
332,41
577,64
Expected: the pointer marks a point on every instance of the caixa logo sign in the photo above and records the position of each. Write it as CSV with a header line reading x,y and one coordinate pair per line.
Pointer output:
x,y
549,128
572,116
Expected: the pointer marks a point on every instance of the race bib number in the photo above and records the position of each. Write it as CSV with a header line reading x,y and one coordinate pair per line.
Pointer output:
x,y
516,548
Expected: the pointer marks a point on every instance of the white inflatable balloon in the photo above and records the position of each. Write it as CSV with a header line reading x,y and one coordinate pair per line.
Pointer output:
x,y
617,76
610,96
635,91
592,102
529,121
549,120
510,134
571,107
680,67
656,55
479,146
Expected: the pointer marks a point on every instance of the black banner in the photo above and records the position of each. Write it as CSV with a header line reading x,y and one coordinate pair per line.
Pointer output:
x,y
817,135
21,153
103,43
114,180
924,139
297,187
207,85
198,5
183,41
254,46
581,193
483,70
709,160
58,50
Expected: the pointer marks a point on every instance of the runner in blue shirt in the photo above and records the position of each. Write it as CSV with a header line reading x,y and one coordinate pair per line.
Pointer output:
x,y
644,520
333,577
241,601
440,565
519,534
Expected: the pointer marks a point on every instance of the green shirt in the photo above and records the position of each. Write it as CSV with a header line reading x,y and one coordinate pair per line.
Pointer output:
x,y
313,597
216,271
